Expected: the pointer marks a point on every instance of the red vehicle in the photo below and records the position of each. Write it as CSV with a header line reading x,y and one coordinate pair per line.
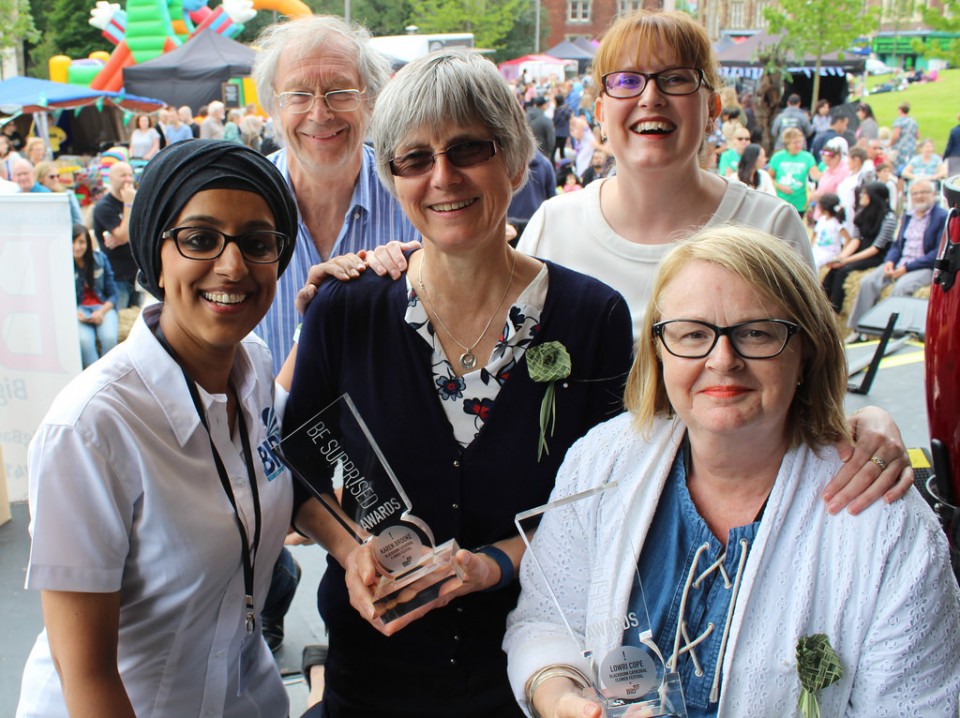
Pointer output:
x,y
942,349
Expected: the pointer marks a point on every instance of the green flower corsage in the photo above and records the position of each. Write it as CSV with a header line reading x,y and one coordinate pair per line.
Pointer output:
x,y
818,665
548,363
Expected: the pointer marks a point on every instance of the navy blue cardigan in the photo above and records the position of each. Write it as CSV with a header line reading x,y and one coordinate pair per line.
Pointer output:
x,y
355,340
931,240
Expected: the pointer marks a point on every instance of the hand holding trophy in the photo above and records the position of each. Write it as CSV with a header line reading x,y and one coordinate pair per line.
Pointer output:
x,y
364,577
609,666
397,573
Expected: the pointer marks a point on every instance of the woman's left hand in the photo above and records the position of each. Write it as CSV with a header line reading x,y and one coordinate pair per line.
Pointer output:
x,y
875,466
96,317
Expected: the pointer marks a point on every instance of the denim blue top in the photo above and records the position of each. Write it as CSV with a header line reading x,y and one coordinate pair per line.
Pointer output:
x,y
676,535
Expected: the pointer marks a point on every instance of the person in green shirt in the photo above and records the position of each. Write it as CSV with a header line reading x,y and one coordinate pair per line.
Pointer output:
x,y
791,167
729,160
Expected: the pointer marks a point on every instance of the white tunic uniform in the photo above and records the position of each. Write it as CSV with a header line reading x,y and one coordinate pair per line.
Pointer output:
x,y
125,496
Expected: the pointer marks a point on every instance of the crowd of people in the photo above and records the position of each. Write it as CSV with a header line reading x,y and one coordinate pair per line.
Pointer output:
x,y
858,191
332,266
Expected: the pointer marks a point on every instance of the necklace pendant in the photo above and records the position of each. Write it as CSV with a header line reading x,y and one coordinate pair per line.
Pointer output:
x,y
468,360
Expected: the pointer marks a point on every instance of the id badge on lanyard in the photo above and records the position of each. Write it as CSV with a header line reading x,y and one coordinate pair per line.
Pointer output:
x,y
250,645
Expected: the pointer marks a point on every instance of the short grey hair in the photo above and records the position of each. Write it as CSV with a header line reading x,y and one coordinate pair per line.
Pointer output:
x,y
448,88
305,35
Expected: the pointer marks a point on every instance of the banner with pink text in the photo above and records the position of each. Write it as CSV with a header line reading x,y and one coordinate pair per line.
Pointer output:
x,y
39,343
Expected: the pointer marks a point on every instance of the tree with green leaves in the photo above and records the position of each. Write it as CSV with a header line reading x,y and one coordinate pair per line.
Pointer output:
x,y
819,28
66,30
944,19
769,92
520,40
380,17
490,21
16,25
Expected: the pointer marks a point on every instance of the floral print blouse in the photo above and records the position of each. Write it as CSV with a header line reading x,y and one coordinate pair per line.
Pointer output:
x,y
468,400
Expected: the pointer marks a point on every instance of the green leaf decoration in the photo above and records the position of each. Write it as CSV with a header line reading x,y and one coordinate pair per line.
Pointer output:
x,y
548,363
548,415
818,665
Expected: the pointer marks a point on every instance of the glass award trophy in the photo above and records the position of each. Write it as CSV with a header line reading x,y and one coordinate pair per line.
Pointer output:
x,y
628,673
335,451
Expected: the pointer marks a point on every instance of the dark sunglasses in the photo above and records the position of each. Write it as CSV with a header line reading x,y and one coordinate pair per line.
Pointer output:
x,y
462,154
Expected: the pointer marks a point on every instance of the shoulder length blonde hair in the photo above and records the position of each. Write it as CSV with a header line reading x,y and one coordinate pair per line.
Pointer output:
x,y
787,285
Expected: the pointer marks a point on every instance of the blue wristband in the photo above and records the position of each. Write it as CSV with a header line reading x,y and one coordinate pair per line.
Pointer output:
x,y
507,571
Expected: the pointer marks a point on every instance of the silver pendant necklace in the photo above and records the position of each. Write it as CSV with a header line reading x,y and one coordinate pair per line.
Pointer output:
x,y
468,360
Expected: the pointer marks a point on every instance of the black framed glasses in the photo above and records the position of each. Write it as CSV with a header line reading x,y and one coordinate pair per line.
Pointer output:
x,y
756,339
261,246
462,154
299,103
624,84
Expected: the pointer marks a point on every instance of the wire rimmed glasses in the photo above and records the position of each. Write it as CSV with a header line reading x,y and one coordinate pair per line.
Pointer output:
x,y
300,102
261,246
756,339
625,84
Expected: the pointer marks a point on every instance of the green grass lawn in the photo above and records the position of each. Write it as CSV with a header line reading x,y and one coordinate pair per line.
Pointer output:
x,y
934,105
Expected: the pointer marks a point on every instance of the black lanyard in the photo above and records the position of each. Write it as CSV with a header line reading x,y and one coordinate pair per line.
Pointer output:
x,y
247,553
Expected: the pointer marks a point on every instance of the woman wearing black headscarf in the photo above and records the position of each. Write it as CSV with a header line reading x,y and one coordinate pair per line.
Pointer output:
x,y
157,508
875,224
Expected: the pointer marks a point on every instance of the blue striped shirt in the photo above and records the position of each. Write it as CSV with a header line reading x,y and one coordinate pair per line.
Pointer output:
x,y
373,218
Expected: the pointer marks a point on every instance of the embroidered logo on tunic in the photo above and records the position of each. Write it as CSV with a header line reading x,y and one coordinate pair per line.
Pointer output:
x,y
272,466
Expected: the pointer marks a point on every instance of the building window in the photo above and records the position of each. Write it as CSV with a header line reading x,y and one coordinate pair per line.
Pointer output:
x,y
578,10
759,21
626,7
736,15
713,24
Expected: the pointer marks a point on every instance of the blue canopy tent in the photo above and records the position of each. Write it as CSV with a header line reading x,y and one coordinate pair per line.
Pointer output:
x,y
28,94
86,130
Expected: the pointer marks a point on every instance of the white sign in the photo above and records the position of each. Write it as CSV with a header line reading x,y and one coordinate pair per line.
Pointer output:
x,y
39,343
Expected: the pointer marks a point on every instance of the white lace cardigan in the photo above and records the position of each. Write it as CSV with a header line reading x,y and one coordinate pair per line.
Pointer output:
x,y
878,584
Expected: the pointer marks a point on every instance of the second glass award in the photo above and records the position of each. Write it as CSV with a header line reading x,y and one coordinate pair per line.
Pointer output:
x,y
628,673
335,452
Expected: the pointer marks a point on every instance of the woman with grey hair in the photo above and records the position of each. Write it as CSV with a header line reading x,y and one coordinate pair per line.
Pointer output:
x,y
462,427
